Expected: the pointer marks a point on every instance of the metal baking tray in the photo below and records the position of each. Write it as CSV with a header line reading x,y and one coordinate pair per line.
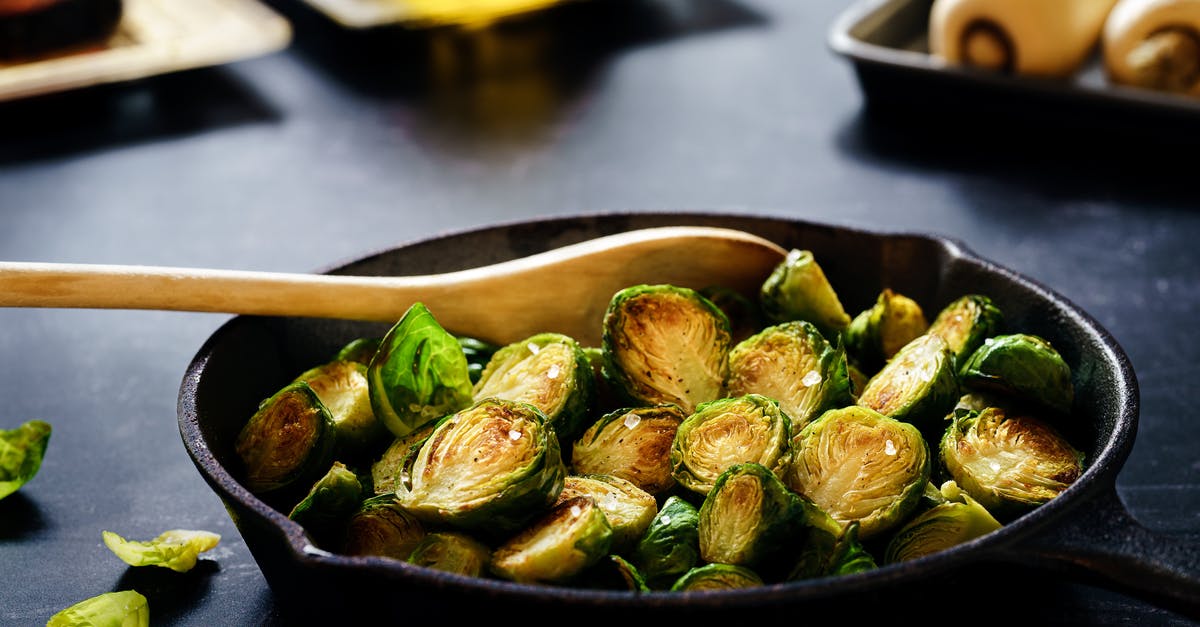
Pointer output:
x,y
155,37
887,43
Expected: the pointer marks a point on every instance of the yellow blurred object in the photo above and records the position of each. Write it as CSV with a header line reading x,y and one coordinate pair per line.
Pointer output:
x,y
1154,44
470,13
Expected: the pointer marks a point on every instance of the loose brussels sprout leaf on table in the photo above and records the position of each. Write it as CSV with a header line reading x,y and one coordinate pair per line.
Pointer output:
x,y
918,385
798,289
381,527
549,371
632,443
288,442
878,333
728,431
418,374
717,577
1009,462
665,344
21,453
793,364
629,509
859,465
560,545
1023,366
489,468
177,549
671,545
452,552
126,608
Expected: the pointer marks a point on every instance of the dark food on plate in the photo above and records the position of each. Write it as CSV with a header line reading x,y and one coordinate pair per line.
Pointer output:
x,y
32,29
706,463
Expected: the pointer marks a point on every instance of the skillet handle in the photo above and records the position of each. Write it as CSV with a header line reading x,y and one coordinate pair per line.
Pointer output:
x,y
1108,547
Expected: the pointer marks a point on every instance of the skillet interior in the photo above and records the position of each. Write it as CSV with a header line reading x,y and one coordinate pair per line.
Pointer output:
x,y
250,357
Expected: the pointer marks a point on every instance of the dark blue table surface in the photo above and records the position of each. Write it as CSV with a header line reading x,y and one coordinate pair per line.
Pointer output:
x,y
352,141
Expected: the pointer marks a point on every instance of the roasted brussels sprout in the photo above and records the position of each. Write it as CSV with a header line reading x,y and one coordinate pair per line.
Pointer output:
x,y
478,353
288,442
613,573
879,332
829,552
918,385
798,289
965,323
386,468
665,344
728,431
126,608
560,545
330,502
1009,462
857,464
793,364
632,443
750,518
452,552
955,521
381,527
359,350
21,453
745,315
491,468
549,371
418,374
1023,366
177,549
629,509
342,387
671,545
717,577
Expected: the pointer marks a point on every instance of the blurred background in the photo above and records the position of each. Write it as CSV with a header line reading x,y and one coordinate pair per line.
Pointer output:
x,y
351,138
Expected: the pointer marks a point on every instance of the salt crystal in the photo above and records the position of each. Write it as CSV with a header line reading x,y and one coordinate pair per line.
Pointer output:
x,y
533,348
632,420
553,372
889,447
576,510
812,378
666,520
514,435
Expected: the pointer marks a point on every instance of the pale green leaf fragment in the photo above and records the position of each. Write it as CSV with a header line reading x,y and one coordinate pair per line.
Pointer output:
x,y
177,549
21,452
126,608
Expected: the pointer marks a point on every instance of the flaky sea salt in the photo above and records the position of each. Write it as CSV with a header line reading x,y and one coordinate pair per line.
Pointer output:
x,y
889,447
514,435
553,372
812,378
533,348
632,420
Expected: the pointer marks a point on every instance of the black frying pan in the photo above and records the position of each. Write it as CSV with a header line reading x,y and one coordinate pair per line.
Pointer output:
x,y
1085,534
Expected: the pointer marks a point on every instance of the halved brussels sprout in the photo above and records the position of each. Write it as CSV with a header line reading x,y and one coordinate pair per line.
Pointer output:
x,y
613,573
572,536
419,373
729,431
491,468
332,500
342,387
549,371
966,323
955,521
717,577
671,545
857,464
745,316
382,527
1008,462
798,289
1024,366
665,344
452,552
793,364
879,332
386,469
478,353
359,350
629,508
632,443
126,608
288,442
830,553
918,385
21,453
177,549
750,518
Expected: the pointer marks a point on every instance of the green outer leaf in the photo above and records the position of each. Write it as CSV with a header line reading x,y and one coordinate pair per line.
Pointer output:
x,y
671,545
1024,366
797,289
177,549
360,350
126,608
332,499
717,577
21,453
418,374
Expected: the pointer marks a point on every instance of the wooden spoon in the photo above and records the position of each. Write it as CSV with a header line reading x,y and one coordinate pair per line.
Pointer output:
x,y
564,290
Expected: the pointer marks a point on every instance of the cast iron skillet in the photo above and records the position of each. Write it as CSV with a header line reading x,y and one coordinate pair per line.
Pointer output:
x,y
1085,534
